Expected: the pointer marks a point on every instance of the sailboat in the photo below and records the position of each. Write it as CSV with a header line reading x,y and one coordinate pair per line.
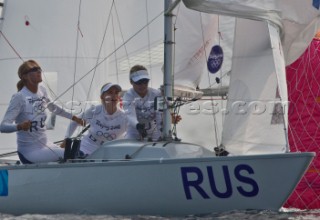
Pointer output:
x,y
70,39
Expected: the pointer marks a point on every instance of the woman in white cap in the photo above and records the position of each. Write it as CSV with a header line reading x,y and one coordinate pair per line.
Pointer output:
x,y
107,121
26,116
138,102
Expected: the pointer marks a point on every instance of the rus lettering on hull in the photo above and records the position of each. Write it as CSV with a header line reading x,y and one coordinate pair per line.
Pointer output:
x,y
194,177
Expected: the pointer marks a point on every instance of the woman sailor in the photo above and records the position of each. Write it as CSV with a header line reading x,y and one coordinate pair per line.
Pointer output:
x,y
26,116
107,121
138,102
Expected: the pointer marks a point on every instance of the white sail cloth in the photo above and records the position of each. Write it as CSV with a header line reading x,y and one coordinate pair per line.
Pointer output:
x,y
71,38
268,35
256,120
298,20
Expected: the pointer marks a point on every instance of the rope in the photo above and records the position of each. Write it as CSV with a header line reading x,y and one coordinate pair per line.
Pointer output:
x,y
208,74
149,45
14,50
120,29
99,53
76,52
115,54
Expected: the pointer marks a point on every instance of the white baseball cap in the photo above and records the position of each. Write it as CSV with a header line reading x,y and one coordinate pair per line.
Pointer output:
x,y
107,86
138,75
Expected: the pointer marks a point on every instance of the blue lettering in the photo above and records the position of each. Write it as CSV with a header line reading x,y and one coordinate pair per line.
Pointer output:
x,y
227,180
244,179
192,177
316,4
192,183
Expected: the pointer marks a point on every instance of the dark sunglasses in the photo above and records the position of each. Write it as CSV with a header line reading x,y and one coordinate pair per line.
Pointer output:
x,y
142,81
34,69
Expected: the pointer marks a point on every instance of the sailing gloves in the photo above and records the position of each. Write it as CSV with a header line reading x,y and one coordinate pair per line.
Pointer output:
x,y
141,129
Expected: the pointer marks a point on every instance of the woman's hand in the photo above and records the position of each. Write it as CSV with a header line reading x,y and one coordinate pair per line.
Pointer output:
x,y
80,121
175,118
63,144
25,126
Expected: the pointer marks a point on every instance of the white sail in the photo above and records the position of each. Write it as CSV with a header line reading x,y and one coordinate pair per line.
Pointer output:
x,y
196,43
67,43
62,38
268,33
298,20
83,56
255,92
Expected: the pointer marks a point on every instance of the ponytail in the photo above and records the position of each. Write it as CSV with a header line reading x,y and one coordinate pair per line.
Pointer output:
x,y
20,85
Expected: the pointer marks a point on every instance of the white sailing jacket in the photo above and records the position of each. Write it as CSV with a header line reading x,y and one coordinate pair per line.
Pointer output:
x,y
25,105
103,127
141,110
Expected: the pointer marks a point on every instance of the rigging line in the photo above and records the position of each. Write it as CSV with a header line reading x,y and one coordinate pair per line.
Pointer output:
x,y
79,135
149,47
39,139
115,54
75,65
76,52
212,103
176,109
14,50
176,17
109,55
174,49
52,93
104,59
99,53
125,48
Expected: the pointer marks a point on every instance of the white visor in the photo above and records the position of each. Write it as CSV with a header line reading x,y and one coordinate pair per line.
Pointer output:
x,y
138,75
107,86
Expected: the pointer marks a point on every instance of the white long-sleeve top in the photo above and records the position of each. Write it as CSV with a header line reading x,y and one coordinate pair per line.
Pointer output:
x,y
104,127
25,105
141,110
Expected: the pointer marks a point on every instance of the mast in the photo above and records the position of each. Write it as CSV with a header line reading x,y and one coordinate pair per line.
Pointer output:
x,y
168,67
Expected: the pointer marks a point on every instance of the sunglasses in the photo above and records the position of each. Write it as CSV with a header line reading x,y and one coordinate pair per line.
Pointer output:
x,y
142,81
34,70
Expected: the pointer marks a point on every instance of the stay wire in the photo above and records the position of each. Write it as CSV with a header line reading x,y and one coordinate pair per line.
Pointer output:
x,y
75,70
14,50
122,36
76,52
108,56
176,110
149,46
98,56
97,64
104,59
115,54
212,102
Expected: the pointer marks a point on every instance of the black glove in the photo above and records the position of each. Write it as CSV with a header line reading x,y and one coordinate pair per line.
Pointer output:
x,y
141,129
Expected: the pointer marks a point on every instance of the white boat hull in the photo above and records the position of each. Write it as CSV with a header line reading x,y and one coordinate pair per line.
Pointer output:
x,y
166,187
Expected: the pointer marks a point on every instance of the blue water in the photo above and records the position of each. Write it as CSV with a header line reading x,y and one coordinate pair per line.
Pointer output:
x,y
289,214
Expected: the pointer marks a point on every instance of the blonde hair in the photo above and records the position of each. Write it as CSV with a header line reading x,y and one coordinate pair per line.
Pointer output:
x,y
23,69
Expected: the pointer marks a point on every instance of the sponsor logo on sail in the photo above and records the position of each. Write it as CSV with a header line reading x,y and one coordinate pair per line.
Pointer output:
x,y
215,59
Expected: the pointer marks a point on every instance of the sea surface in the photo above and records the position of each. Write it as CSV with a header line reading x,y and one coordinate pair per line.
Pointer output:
x,y
284,214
